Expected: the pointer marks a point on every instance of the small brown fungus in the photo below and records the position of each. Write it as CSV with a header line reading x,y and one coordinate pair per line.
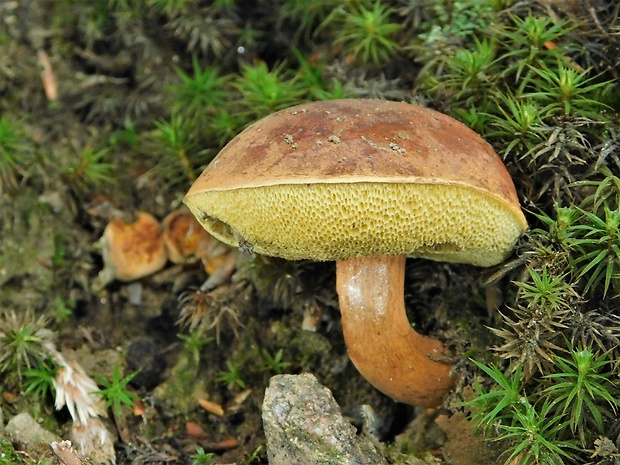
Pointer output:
x,y
131,250
187,242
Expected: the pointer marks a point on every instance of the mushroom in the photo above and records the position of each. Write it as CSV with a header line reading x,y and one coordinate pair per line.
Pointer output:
x,y
187,242
366,183
183,237
131,249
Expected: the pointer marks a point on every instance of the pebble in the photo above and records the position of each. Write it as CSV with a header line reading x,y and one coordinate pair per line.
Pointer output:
x,y
29,435
304,425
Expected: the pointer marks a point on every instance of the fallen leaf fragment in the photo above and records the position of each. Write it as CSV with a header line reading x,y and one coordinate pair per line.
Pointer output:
x,y
139,408
235,404
194,430
224,444
211,407
47,76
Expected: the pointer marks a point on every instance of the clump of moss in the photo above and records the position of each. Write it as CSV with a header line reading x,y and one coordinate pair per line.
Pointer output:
x,y
8,455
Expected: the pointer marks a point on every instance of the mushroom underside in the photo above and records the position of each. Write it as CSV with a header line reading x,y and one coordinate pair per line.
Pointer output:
x,y
327,221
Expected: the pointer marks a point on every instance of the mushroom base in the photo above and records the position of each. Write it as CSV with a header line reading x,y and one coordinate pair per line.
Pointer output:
x,y
383,346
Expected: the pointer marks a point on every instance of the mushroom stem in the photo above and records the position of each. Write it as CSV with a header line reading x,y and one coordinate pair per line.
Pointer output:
x,y
382,344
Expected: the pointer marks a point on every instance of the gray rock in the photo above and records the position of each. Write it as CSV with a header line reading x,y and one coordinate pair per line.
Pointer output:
x,y
303,425
29,435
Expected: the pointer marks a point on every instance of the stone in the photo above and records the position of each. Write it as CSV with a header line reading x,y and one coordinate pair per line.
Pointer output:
x,y
304,425
29,435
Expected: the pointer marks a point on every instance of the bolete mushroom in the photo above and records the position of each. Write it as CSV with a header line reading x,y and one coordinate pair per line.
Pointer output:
x,y
131,249
187,242
366,183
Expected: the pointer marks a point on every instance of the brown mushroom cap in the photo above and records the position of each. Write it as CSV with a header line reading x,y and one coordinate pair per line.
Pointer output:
x,y
187,242
347,178
182,234
133,250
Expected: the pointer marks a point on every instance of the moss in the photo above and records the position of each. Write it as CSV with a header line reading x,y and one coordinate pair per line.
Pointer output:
x,y
8,455
183,386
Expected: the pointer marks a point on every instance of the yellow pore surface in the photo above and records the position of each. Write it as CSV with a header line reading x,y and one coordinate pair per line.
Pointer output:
x,y
339,221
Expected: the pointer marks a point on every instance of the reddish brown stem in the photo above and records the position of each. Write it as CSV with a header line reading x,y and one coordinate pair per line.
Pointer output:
x,y
382,344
